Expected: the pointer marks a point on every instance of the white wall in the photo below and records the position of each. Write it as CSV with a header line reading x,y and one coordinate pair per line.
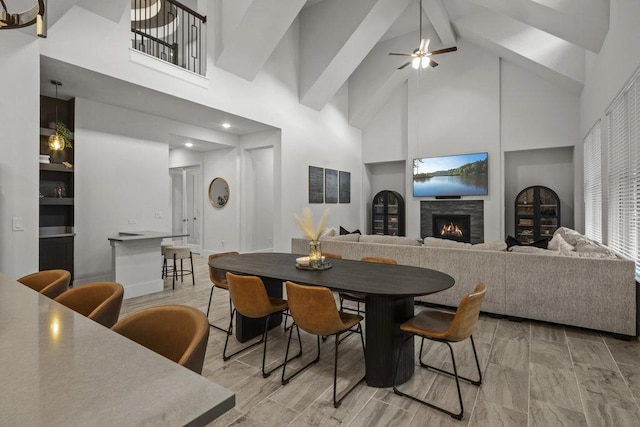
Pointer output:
x,y
117,179
455,109
550,167
19,173
309,137
221,226
606,74
476,102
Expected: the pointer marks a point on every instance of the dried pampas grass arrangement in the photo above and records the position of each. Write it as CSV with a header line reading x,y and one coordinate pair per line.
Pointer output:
x,y
306,223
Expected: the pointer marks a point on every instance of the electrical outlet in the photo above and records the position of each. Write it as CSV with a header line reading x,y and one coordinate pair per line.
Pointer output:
x,y
158,215
18,223
222,242
133,221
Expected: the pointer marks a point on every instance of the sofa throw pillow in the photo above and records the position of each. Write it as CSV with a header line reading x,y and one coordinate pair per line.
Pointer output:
x,y
344,231
569,235
557,243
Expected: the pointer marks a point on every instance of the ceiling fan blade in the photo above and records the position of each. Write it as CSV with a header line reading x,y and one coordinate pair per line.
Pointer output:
x,y
404,65
433,63
402,54
445,50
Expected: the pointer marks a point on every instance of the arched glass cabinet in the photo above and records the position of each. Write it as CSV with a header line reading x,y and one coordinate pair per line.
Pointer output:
x,y
388,214
537,213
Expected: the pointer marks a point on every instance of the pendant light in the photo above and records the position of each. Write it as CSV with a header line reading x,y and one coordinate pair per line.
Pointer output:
x,y
34,15
56,142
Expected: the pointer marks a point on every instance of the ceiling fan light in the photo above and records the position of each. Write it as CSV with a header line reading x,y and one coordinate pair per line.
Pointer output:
x,y
415,63
424,62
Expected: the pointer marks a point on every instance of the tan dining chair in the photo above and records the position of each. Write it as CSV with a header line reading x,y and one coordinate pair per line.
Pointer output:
x,y
99,301
314,310
357,297
179,253
218,279
445,327
50,283
177,332
250,299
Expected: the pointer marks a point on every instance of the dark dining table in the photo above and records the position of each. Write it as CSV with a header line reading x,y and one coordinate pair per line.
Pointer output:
x,y
389,292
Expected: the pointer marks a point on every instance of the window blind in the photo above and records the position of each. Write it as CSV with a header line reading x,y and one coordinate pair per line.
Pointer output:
x,y
623,120
593,183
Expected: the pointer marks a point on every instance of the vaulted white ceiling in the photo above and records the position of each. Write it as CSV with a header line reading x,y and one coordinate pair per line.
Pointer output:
x,y
344,41
348,41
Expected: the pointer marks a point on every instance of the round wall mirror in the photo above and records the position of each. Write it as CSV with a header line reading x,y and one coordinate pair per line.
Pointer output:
x,y
218,192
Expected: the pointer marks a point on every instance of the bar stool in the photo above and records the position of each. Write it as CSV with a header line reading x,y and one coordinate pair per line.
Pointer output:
x,y
179,253
50,283
163,246
99,301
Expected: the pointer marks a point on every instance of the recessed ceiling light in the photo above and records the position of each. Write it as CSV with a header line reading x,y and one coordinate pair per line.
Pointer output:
x,y
226,125
188,144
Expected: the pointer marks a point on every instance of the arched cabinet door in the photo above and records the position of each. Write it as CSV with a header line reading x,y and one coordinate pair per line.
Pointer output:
x,y
388,214
537,213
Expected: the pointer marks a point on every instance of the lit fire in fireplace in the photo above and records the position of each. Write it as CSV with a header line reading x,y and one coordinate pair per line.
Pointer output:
x,y
451,229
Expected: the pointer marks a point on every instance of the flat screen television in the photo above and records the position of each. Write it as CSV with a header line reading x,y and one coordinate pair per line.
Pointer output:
x,y
451,176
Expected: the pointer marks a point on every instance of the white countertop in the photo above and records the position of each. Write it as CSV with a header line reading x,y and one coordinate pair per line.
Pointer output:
x,y
129,236
60,368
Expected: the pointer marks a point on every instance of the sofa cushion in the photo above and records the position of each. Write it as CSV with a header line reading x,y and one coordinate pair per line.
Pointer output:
x,y
557,243
532,250
435,242
390,240
496,245
344,238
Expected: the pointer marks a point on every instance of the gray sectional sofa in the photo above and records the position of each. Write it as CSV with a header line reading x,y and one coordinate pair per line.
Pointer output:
x,y
595,290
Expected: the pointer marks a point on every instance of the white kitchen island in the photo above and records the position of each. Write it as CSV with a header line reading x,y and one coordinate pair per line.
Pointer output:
x,y
136,262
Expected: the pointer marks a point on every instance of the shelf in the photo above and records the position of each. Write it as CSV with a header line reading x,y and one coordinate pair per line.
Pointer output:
x,y
49,132
55,167
56,201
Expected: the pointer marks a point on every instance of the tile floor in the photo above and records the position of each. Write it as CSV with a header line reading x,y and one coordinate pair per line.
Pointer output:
x,y
534,374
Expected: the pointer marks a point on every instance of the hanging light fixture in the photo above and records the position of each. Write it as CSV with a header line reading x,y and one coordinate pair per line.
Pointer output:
x,y
56,141
35,15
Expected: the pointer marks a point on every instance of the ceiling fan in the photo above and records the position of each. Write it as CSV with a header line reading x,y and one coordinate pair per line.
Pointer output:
x,y
421,56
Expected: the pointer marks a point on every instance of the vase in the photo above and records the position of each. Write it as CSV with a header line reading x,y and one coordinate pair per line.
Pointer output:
x,y
315,254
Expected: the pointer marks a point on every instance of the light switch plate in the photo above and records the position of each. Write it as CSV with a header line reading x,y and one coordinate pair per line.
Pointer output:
x,y
18,223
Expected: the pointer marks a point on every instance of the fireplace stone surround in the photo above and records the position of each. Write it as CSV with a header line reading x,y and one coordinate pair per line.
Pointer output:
x,y
473,208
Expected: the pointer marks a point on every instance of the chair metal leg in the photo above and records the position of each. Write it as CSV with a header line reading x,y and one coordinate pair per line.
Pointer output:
x,y
193,276
226,342
175,273
264,353
442,371
338,402
457,416
286,380
226,331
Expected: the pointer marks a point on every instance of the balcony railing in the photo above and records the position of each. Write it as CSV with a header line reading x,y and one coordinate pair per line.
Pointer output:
x,y
169,31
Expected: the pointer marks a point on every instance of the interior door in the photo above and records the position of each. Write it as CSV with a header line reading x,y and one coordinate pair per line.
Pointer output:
x,y
186,186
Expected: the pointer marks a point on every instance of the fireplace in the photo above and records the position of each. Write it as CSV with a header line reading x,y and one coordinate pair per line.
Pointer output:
x,y
452,227
472,208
